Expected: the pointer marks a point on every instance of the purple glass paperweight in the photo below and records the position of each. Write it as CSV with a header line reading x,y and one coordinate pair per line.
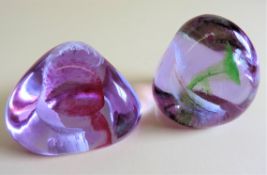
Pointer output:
x,y
72,100
208,75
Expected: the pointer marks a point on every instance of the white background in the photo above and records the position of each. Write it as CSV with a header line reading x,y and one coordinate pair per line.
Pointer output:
x,y
133,35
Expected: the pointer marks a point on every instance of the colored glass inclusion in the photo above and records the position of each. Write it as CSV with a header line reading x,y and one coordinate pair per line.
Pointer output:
x,y
209,73
72,100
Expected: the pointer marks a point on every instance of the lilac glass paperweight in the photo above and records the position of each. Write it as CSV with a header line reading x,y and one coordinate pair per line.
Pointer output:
x,y
208,75
72,100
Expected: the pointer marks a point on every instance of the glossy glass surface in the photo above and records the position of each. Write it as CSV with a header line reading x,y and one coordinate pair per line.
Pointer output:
x,y
72,100
209,73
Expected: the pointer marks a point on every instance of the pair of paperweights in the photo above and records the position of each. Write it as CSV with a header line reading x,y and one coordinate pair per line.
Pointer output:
x,y
73,100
